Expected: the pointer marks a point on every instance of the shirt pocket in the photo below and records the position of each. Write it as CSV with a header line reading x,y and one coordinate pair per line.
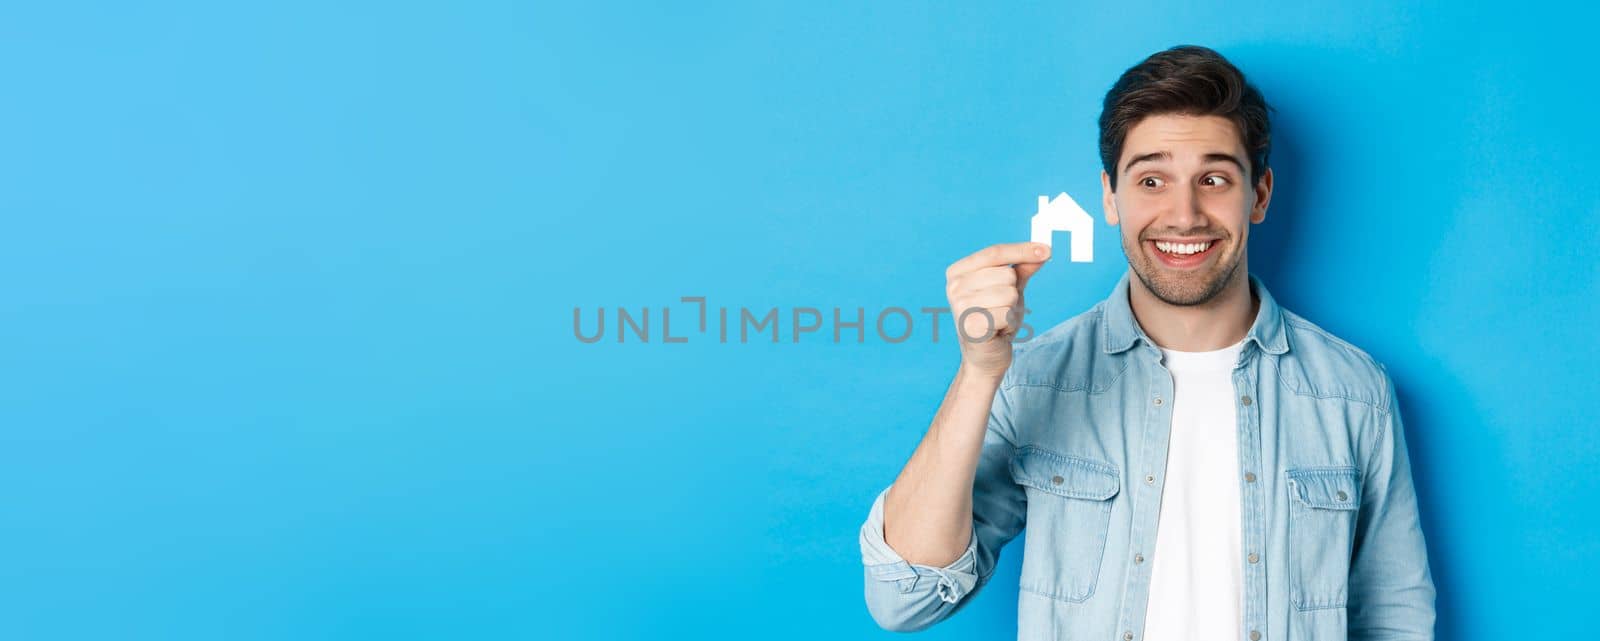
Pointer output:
x,y
1322,521
1069,514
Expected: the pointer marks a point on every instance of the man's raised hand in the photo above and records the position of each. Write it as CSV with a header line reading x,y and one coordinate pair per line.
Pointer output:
x,y
985,293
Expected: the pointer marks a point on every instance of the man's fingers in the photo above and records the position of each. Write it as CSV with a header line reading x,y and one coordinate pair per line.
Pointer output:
x,y
978,323
982,279
993,297
986,287
1002,254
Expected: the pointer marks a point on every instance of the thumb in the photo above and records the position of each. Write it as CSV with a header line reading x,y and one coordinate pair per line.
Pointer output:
x,y
1026,271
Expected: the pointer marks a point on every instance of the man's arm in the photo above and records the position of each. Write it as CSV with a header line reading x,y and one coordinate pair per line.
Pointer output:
x,y
938,575
954,504
1391,587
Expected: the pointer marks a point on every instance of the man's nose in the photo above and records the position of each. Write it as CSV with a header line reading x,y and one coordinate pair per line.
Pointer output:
x,y
1185,211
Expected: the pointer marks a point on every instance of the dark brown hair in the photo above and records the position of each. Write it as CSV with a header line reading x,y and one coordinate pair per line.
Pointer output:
x,y
1191,80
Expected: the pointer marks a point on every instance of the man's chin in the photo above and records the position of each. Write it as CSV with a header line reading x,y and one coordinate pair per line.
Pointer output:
x,y
1180,289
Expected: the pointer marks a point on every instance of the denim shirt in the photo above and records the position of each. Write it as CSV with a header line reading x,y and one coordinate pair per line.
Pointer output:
x,y
1076,449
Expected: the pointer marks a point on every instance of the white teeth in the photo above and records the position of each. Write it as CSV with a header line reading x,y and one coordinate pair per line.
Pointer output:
x,y
1183,248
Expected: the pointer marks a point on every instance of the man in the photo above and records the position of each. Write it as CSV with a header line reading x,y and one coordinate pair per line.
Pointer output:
x,y
1192,460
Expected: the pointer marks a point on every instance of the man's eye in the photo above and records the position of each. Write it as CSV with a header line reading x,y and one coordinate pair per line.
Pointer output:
x,y
1217,180
1150,182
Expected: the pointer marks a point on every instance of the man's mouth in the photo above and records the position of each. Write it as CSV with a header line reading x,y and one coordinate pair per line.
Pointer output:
x,y
1182,255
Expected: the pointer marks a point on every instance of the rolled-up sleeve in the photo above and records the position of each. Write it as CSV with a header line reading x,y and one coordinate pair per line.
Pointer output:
x,y
907,597
1391,586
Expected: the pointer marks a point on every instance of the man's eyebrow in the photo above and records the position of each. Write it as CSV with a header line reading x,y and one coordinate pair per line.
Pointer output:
x,y
1214,156
1150,157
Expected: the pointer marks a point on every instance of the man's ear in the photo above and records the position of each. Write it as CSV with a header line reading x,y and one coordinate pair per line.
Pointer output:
x,y
1263,190
1108,199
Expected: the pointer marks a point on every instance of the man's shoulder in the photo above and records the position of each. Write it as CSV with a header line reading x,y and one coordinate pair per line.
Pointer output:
x,y
1065,356
1321,364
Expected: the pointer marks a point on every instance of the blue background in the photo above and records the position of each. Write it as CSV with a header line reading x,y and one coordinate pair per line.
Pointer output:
x,y
288,295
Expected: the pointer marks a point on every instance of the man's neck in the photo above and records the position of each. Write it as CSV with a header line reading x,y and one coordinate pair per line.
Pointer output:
x,y
1215,324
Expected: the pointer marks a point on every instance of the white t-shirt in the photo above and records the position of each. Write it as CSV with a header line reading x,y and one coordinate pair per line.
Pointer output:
x,y
1196,586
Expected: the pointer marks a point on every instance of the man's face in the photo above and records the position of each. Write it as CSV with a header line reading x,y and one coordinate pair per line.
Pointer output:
x,y
1183,182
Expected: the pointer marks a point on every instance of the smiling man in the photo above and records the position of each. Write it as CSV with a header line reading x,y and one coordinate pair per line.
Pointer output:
x,y
1190,459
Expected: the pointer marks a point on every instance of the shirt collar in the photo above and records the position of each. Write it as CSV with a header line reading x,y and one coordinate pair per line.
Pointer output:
x,y
1120,331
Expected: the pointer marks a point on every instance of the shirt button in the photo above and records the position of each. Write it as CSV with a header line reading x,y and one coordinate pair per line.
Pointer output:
x,y
1245,399
1158,400
1138,558
1254,558
1149,478
1342,496
1127,636
1255,636
1055,480
1250,477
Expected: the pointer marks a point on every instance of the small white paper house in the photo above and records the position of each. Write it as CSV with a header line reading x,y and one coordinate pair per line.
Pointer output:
x,y
1064,214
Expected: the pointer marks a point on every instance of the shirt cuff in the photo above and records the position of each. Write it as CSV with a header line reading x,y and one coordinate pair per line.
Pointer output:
x,y
953,581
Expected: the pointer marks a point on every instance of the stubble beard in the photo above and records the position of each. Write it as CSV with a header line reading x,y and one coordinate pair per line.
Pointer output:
x,y
1183,289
